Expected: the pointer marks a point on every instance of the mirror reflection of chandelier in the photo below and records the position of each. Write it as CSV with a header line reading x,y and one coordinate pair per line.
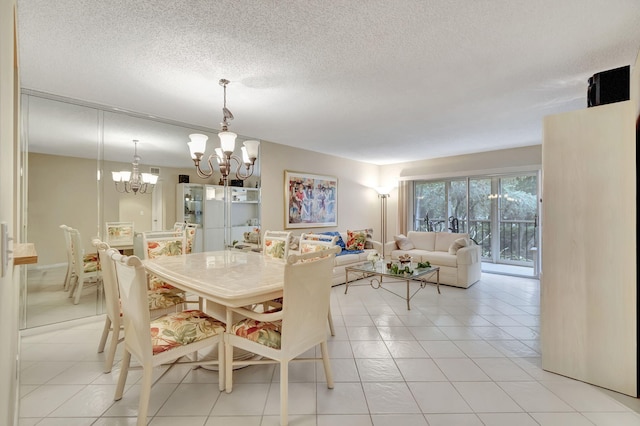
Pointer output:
x,y
134,181
224,155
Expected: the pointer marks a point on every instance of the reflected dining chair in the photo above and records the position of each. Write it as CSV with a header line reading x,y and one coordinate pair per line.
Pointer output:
x,y
67,244
84,267
163,340
284,335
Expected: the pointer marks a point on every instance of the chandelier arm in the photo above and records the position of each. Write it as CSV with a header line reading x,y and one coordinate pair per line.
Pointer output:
x,y
204,174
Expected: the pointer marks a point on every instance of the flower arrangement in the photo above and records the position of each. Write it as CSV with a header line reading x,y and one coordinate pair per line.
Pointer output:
x,y
373,257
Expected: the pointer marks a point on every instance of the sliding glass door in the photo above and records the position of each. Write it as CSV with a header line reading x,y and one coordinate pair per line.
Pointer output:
x,y
500,213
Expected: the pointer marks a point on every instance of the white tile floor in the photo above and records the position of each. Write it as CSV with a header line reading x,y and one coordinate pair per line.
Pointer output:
x,y
465,357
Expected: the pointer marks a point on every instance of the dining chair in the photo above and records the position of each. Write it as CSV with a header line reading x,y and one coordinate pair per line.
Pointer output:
x,y
161,341
275,244
166,243
113,320
160,302
284,335
179,226
309,243
84,267
190,231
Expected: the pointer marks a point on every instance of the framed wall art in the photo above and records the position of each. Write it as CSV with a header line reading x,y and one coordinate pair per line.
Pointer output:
x,y
311,201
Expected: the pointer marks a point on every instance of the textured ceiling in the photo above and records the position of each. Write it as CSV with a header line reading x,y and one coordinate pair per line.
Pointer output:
x,y
379,81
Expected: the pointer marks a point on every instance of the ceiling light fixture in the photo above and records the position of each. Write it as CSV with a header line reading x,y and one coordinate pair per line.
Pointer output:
x,y
224,154
134,181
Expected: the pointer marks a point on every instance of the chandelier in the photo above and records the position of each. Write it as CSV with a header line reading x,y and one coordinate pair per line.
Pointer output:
x,y
134,181
224,155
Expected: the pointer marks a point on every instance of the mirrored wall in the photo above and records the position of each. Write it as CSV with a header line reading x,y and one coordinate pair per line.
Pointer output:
x,y
71,149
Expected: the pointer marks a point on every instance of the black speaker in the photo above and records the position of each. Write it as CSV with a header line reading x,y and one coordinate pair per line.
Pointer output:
x,y
607,87
183,178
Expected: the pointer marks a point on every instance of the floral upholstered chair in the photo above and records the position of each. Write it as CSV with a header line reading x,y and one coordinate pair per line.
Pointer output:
x,y
162,243
160,302
275,244
283,335
167,243
190,231
89,259
160,341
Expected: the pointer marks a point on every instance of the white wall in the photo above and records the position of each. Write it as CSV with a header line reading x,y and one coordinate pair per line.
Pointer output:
x,y
358,204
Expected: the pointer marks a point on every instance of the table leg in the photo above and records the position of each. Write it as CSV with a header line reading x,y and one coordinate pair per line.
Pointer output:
x,y
408,298
346,281
228,356
438,280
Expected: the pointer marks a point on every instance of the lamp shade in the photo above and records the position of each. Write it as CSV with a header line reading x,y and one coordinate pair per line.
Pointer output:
x,y
125,175
245,155
198,144
252,148
227,141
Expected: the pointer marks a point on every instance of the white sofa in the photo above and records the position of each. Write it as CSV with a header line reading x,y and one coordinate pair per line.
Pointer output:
x,y
461,269
343,260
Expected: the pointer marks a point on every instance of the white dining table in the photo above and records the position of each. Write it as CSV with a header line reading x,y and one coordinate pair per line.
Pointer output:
x,y
225,278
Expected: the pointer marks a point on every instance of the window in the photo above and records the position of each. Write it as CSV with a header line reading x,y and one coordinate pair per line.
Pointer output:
x,y
500,213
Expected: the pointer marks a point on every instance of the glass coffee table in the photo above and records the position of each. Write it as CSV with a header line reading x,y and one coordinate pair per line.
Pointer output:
x,y
378,272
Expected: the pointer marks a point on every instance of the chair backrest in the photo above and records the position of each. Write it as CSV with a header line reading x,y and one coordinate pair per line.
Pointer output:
x,y
317,242
190,230
118,233
163,243
77,252
109,280
132,284
275,244
307,290
67,242
179,226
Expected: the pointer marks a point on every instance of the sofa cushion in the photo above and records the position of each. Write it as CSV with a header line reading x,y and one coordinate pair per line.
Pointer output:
x,y
423,240
346,259
457,245
440,258
445,239
403,242
356,240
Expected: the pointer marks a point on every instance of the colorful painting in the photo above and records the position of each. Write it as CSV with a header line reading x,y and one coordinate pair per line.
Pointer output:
x,y
311,201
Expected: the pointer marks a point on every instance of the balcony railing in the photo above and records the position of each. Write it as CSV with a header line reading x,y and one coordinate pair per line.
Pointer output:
x,y
517,237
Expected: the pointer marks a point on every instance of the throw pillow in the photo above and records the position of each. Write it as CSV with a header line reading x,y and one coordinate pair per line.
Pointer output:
x,y
403,242
368,235
356,240
457,245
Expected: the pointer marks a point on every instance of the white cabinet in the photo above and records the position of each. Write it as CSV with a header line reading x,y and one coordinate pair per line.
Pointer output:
x,y
222,218
588,281
245,211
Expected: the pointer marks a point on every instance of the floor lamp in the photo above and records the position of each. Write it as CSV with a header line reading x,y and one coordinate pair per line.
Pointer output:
x,y
383,218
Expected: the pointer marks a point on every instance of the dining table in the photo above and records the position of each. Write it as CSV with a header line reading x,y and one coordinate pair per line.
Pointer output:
x,y
223,278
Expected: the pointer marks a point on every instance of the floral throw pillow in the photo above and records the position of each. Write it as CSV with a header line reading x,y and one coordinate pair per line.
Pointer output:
x,y
356,240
